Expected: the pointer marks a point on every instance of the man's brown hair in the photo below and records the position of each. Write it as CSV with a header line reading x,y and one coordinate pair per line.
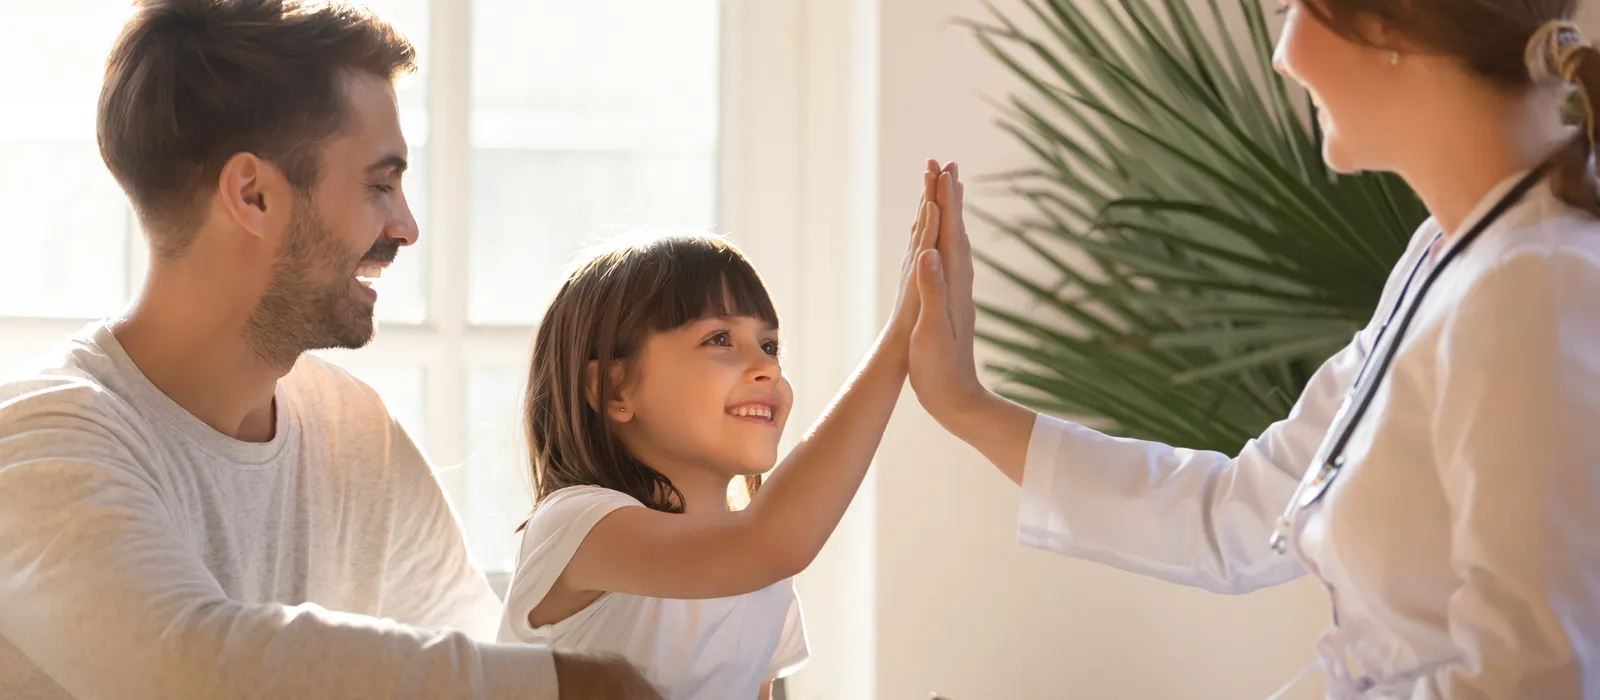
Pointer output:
x,y
190,83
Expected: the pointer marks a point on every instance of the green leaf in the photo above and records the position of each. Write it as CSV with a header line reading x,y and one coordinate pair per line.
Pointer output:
x,y
1325,344
1195,260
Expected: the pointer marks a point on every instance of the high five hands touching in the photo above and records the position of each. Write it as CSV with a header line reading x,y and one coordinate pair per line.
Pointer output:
x,y
943,373
943,370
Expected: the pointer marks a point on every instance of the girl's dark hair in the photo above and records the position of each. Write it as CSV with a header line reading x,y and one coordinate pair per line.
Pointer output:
x,y
603,313
1514,44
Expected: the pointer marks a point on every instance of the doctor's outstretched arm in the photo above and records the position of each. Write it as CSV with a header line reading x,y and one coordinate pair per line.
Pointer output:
x,y
1188,516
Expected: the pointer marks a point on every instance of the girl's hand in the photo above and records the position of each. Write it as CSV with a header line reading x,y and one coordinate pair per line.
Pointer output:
x,y
924,236
943,371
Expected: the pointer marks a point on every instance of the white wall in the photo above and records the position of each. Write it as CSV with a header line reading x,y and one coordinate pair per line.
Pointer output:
x,y
924,588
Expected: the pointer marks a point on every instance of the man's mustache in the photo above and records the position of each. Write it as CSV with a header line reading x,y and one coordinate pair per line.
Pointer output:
x,y
383,251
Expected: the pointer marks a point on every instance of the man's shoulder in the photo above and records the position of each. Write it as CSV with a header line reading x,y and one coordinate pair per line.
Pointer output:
x,y
329,388
333,404
64,389
69,378
67,407
78,372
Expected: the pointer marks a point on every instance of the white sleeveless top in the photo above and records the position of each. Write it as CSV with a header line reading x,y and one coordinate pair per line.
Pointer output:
x,y
690,649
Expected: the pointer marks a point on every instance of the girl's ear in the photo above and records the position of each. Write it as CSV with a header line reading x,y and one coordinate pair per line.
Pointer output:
x,y
617,407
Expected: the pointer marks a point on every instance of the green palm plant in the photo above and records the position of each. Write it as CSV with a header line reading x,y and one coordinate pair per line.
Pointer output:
x,y
1202,260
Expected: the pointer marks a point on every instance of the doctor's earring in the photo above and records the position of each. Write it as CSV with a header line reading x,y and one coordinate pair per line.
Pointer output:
x,y
1394,58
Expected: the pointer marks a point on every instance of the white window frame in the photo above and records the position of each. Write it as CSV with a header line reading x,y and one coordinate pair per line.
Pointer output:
x,y
758,204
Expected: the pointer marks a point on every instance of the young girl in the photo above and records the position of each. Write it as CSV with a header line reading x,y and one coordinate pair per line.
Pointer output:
x,y
655,382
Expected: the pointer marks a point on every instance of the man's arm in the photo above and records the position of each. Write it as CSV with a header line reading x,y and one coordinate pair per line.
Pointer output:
x,y
104,592
584,677
433,583
429,578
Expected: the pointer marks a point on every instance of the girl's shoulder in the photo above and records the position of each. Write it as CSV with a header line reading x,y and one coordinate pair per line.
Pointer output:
x,y
580,506
559,524
583,493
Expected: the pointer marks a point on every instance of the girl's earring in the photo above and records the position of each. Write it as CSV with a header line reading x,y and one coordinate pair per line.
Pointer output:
x,y
1394,58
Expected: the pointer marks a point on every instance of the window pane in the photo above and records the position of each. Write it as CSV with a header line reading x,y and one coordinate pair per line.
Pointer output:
x,y
589,119
64,244
499,487
410,17
534,210
25,351
403,293
66,232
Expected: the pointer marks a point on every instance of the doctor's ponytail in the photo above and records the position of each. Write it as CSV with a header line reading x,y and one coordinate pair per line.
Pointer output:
x,y
1558,51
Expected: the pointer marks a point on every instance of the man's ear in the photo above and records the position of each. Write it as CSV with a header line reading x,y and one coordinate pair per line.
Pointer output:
x,y
255,194
617,407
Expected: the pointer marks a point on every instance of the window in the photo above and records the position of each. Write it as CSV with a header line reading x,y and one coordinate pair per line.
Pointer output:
x,y
588,118
64,248
536,128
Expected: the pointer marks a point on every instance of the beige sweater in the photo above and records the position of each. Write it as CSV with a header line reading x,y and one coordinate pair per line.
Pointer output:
x,y
143,555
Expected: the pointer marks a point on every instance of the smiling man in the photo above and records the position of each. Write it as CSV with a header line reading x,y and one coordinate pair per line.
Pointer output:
x,y
190,506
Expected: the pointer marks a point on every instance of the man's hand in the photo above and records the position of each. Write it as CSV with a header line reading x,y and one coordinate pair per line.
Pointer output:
x,y
590,677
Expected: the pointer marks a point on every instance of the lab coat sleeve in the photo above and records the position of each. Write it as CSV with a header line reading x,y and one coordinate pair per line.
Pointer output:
x,y
1517,444
1192,517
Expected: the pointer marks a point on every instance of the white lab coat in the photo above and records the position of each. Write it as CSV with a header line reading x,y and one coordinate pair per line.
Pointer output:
x,y
1460,545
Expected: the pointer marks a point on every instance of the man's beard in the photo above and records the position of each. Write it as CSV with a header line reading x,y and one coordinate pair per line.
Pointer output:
x,y
299,312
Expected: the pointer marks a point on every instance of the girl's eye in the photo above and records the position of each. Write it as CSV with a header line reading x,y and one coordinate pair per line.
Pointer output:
x,y
770,347
720,339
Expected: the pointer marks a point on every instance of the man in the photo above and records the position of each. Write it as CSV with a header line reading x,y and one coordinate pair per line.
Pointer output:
x,y
189,506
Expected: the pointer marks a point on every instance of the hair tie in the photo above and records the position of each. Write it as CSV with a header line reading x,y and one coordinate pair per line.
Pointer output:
x,y
1555,51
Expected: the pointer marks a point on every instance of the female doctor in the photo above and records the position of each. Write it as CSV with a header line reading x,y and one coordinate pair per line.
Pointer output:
x,y
1441,474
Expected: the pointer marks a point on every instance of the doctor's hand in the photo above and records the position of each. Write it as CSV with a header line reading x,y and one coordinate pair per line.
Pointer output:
x,y
944,373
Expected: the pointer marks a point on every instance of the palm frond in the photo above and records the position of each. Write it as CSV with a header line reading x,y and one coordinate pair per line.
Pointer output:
x,y
1201,260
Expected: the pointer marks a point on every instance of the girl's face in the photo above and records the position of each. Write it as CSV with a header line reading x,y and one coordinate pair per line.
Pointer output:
x,y
1361,95
705,400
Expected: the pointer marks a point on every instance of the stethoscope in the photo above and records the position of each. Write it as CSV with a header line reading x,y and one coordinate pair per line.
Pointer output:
x,y
1332,459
